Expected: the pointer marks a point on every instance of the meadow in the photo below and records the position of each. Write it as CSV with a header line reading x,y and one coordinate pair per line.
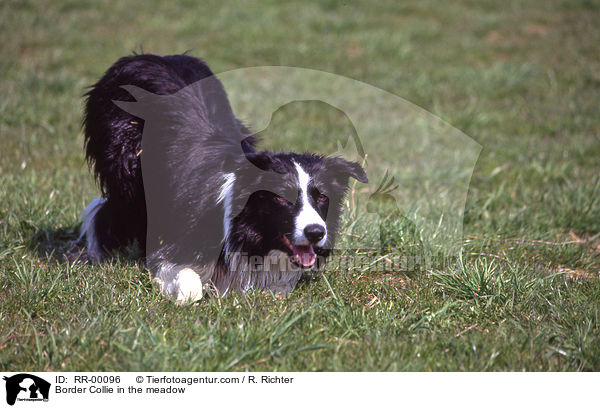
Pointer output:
x,y
521,78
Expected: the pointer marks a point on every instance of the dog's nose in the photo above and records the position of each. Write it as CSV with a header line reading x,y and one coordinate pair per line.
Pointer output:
x,y
314,233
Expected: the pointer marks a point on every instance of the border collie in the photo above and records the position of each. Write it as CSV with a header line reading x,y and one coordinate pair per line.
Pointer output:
x,y
181,177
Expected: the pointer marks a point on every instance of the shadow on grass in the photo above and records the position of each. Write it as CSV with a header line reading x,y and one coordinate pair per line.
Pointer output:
x,y
63,245
57,243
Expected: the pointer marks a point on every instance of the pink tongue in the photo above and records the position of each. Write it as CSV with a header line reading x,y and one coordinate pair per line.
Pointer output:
x,y
304,254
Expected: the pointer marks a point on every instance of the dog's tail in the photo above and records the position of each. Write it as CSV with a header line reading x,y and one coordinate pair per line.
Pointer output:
x,y
88,229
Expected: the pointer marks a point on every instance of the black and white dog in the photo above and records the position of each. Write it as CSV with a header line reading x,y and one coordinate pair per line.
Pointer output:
x,y
205,206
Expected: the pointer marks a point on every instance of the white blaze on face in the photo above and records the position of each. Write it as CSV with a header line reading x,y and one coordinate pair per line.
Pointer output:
x,y
307,215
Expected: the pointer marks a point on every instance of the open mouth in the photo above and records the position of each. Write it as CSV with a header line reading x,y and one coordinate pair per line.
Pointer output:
x,y
302,255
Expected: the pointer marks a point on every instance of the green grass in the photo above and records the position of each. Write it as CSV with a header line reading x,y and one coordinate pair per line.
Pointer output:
x,y
520,78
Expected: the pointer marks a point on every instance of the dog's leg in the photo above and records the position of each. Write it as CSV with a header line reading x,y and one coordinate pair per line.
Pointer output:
x,y
181,284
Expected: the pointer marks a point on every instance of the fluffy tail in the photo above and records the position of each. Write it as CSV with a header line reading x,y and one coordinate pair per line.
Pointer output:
x,y
88,229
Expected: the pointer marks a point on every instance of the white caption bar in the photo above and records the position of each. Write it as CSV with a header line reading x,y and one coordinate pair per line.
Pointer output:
x,y
45,390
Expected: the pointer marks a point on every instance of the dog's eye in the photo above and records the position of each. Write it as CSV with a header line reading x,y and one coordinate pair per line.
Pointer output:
x,y
281,199
321,198
288,196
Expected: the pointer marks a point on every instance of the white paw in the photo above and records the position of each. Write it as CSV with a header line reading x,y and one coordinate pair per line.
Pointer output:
x,y
181,285
189,286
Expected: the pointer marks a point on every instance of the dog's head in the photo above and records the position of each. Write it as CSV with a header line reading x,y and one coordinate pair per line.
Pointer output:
x,y
294,204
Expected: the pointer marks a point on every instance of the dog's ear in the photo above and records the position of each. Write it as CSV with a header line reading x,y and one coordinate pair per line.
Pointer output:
x,y
355,170
260,159
263,160
146,104
343,169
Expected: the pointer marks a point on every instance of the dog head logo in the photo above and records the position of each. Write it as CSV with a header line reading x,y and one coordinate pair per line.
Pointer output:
x,y
26,387
420,165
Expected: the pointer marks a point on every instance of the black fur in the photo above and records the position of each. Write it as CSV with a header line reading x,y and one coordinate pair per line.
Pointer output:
x,y
192,142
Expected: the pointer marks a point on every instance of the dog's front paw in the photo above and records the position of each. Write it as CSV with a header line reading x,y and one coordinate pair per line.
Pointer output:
x,y
189,286
180,285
